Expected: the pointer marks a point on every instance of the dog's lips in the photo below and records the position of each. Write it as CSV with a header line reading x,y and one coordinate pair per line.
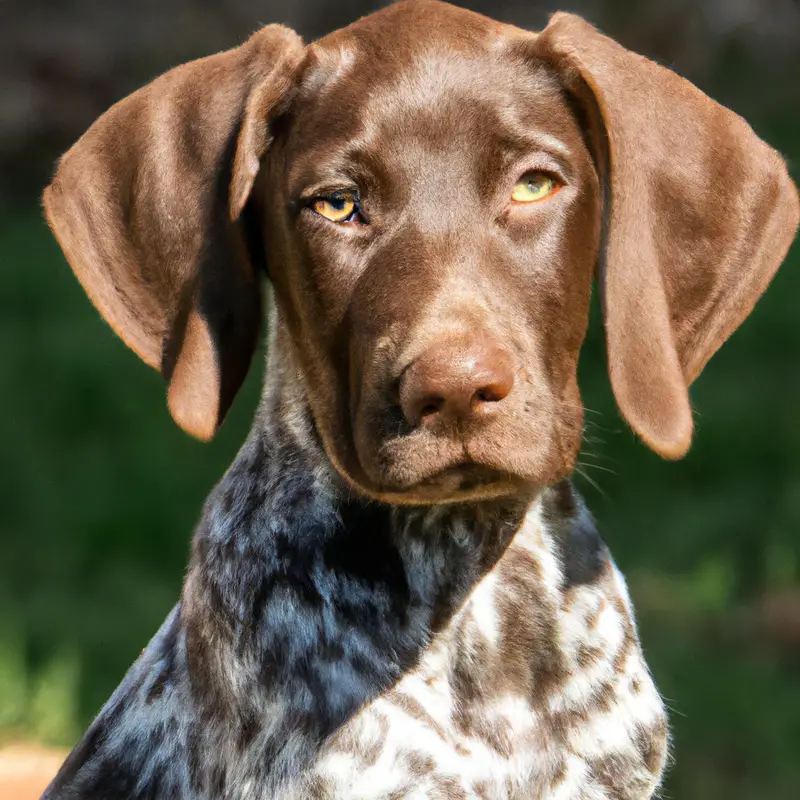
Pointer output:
x,y
467,475
457,481
463,483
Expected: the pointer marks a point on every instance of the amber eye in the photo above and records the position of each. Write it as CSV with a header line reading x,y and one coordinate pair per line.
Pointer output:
x,y
533,186
337,207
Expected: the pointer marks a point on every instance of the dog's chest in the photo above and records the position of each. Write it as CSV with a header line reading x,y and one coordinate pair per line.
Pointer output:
x,y
534,689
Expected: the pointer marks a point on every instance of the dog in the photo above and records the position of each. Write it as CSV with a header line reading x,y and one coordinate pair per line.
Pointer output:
x,y
395,591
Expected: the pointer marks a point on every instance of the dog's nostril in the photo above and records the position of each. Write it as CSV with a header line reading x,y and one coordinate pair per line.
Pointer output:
x,y
491,394
431,407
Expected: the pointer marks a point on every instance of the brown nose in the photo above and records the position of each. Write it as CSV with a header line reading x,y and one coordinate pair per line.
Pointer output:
x,y
456,380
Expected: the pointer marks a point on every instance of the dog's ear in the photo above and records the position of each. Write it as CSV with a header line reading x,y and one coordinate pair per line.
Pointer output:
x,y
699,213
146,208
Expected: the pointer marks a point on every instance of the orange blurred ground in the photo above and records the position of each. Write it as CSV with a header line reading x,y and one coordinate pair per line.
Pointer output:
x,y
26,769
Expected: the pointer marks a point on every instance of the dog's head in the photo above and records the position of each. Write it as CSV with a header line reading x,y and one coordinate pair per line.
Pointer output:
x,y
431,194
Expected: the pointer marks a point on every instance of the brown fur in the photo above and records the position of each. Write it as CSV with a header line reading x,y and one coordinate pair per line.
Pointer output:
x,y
698,215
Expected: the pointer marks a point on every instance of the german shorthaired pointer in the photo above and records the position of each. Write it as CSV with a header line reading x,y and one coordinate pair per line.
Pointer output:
x,y
395,592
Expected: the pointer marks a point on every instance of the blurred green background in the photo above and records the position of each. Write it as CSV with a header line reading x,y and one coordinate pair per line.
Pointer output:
x,y
99,490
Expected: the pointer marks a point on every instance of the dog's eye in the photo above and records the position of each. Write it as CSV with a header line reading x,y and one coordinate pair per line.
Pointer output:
x,y
533,186
337,207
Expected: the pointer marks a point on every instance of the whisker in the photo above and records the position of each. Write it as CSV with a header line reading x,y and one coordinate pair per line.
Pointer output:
x,y
590,481
590,454
598,466
594,441
581,407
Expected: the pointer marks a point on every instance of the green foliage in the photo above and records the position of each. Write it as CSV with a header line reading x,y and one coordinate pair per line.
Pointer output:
x,y
100,491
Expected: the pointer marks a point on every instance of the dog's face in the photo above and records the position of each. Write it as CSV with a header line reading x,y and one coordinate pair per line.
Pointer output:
x,y
431,193
433,218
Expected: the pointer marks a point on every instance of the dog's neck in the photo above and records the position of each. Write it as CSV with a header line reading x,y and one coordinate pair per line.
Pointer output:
x,y
294,574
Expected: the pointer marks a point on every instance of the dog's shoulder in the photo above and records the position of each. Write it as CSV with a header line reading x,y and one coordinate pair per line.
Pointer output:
x,y
137,745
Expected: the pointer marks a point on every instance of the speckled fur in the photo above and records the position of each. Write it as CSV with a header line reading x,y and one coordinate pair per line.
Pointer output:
x,y
329,647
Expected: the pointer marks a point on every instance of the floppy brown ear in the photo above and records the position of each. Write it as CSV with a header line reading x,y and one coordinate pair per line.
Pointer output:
x,y
699,215
145,206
